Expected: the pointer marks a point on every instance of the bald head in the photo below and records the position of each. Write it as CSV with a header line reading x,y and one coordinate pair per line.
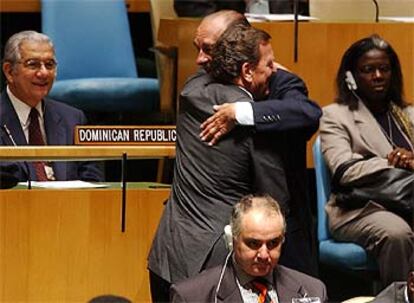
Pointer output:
x,y
210,29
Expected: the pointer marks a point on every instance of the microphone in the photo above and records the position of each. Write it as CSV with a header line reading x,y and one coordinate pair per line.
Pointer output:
x,y
376,10
296,30
26,166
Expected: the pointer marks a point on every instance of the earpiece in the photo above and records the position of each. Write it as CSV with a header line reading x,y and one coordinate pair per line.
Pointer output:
x,y
350,81
228,237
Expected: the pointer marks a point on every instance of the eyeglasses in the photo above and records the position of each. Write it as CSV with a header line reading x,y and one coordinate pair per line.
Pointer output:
x,y
35,64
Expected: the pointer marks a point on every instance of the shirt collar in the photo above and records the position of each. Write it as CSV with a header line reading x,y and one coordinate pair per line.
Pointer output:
x,y
248,93
22,109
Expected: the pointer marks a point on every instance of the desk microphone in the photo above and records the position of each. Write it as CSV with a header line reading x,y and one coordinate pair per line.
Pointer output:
x,y
376,10
26,166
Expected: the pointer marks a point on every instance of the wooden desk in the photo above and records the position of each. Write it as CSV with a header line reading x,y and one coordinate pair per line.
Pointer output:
x,y
32,6
321,46
59,152
66,245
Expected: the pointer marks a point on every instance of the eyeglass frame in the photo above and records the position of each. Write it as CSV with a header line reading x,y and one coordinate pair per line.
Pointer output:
x,y
38,64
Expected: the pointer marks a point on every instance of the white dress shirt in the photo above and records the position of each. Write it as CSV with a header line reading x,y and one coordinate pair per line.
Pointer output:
x,y
23,111
244,110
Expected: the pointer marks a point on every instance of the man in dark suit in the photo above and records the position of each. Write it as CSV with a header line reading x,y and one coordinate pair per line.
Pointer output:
x,y
208,181
201,8
291,118
29,65
252,271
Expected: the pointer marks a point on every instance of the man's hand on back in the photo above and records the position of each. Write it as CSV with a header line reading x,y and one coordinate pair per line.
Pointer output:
x,y
219,124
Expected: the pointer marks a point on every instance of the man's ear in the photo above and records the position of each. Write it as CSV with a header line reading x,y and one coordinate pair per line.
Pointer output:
x,y
247,72
7,70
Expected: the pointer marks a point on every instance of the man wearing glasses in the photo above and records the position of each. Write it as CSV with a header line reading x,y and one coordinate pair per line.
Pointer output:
x,y
27,117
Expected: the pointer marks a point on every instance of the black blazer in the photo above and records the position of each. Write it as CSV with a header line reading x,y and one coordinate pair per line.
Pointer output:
x,y
60,121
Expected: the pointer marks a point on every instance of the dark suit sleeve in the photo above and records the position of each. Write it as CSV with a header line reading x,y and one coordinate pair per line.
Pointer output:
x,y
268,169
8,170
288,106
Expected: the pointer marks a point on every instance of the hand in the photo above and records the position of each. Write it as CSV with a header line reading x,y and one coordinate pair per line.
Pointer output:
x,y
401,158
219,124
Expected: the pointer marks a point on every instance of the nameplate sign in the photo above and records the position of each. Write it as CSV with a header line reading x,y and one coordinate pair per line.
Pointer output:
x,y
125,135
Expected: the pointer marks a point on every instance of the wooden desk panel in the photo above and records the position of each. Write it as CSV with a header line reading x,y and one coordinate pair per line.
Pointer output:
x,y
321,46
65,152
67,245
32,6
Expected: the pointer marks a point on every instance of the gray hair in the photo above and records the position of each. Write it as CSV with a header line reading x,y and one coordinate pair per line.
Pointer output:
x,y
12,48
266,203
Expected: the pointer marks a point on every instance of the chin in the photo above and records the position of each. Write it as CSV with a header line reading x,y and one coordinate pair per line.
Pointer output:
x,y
262,271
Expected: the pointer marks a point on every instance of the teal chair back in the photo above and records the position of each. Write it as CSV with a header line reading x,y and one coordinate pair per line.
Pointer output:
x,y
92,38
96,64
343,255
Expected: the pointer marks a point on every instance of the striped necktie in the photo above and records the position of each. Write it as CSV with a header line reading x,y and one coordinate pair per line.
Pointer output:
x,y
261,286
35,138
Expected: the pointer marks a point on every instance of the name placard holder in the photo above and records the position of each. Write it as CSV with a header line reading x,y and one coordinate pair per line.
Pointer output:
x,y
125,135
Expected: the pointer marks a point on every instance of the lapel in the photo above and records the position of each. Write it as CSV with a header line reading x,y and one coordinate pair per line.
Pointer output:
x,y
287,288
229,291
370,131
9,118
56,135
54,128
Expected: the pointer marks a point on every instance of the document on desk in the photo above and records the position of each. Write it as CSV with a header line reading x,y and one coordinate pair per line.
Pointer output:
x,y
398,19
277,17
65,184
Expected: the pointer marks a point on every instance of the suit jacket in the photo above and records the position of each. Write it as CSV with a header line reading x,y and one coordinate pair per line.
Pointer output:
x,y
209,180
349,135
293,118
202,288
60,121
199,8
393,293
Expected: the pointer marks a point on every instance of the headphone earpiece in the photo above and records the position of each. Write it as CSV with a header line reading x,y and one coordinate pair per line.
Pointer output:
x,y
350,81
228,237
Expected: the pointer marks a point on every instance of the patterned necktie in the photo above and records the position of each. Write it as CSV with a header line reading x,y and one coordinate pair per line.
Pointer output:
x,y
261,286
35,138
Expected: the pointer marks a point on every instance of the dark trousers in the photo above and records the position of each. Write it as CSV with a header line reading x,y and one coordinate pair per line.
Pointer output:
x,y
160,288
